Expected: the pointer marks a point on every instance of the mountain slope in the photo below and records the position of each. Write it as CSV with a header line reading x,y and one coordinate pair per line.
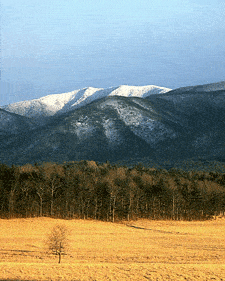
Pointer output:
x,y
173,126
11,123
103,130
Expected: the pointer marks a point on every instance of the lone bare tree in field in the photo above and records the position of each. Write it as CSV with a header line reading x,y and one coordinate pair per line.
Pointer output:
x,y
57,240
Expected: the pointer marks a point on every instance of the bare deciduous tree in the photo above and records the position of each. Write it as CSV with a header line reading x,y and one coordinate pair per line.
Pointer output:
x,y
57,240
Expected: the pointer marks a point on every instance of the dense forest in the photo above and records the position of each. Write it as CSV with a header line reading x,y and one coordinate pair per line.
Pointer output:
x,y
88,190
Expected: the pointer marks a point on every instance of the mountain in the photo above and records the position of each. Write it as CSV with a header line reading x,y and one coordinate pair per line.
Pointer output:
x,y
178,125
61,103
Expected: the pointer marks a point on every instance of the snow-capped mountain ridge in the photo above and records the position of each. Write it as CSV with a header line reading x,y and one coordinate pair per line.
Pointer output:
x,y
61,103
122,124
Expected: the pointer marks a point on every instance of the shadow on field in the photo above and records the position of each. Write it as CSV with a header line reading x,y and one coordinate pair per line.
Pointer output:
x,y
157,230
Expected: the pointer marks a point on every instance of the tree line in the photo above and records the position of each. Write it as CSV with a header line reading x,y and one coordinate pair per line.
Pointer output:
x,y
89,190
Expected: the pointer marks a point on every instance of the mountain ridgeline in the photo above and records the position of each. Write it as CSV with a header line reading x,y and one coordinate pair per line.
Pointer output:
x,y
125,124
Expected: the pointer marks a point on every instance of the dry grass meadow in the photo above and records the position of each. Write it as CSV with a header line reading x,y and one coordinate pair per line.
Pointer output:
x,y
137,250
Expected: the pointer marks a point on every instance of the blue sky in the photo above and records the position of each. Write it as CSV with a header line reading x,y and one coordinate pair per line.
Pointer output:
x,y
53,46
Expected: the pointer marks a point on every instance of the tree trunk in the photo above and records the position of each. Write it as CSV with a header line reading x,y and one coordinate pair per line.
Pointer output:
x,y
51,208
153,208
41,204
129,211
113,210
87,209
60,251
173,214
52,199
110,210
96,208
11,202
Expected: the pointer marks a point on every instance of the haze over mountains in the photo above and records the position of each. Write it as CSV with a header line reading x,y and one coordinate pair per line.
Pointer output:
x,y
126,123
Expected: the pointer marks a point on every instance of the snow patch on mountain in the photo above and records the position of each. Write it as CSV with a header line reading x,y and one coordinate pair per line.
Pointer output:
x,y
45,106
111,132
152,131
61,103
84,130
84,97
143,126
83,127
138,91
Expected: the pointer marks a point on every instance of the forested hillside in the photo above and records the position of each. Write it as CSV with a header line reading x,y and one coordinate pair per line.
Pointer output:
x,y
89,190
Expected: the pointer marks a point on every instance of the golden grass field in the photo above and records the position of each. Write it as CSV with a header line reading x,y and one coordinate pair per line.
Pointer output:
x,y
135,250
